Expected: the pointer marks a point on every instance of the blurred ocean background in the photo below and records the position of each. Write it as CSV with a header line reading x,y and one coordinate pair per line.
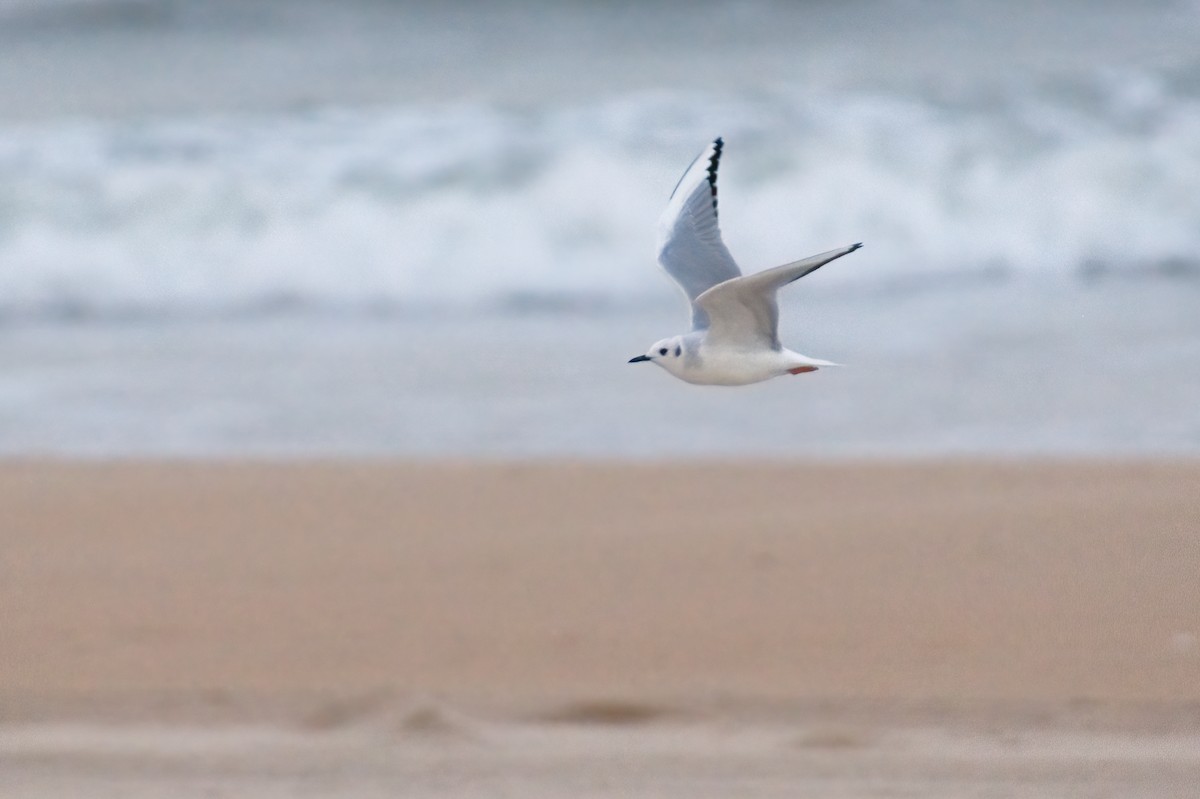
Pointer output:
x,y
290,227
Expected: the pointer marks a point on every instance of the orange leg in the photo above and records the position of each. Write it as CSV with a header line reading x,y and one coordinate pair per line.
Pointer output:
x,y
799,370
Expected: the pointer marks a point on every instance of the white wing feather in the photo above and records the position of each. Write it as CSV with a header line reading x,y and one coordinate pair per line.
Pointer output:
x,y
743,312
689,241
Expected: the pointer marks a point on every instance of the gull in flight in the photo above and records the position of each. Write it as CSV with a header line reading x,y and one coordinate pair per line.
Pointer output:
x,y
734,339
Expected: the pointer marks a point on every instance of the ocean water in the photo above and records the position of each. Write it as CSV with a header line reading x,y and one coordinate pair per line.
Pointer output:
x,y
381,228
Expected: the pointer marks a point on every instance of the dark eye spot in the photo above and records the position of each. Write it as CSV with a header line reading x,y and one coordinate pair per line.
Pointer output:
x,y
663,351
678,349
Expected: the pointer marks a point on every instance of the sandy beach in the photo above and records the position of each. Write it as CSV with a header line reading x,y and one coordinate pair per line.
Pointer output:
x,y
563,629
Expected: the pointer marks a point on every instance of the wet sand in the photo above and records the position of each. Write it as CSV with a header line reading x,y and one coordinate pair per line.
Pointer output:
x,y
718,629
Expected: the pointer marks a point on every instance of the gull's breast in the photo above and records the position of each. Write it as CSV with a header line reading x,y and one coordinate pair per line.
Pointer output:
x,y
734,367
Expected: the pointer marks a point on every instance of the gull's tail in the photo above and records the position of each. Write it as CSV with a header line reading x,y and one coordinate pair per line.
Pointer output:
x,y
803,361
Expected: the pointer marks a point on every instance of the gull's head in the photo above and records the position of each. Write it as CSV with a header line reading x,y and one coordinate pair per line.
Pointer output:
x,y
667,353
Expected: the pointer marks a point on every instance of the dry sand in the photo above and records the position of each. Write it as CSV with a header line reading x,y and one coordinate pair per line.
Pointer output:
x,y
725,629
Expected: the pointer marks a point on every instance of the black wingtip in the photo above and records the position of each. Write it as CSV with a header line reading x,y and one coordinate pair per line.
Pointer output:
x,y
855,246
713,163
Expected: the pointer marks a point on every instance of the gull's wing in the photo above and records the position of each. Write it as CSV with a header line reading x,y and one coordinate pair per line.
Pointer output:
x,y
743,311
689,241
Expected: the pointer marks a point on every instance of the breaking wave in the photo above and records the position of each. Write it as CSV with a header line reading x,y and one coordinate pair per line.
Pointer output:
x,y
471,206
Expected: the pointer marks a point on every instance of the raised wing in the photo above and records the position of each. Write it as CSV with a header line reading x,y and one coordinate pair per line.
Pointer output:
x,y
743,312
689,242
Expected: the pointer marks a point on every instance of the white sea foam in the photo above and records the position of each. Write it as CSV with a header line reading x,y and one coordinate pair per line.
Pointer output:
x,y
478,206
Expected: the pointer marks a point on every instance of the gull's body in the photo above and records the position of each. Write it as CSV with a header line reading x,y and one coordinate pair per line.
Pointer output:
x,y
734,338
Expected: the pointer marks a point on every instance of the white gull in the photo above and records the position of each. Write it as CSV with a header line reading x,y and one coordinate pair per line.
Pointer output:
x,y
734,338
